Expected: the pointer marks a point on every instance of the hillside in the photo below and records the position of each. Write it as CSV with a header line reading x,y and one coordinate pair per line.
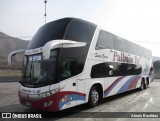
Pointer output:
x,y
156,58
156,64
9,44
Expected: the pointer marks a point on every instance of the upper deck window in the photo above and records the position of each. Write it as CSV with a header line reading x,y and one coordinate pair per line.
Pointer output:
x,y
105,40
51,31
63,29
80,31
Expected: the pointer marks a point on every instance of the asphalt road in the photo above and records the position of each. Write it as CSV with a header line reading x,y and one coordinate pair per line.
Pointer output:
x,y
147,100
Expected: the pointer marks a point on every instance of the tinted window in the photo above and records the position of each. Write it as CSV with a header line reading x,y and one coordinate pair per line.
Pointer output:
x,y
120,44
129,47
124,69
115,69
137,49
75,55
112,69
105,41
80,31
67,28
51,31
99,70
68,67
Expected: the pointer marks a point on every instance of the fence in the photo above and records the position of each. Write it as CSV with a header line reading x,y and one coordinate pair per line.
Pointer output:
x,y
6,72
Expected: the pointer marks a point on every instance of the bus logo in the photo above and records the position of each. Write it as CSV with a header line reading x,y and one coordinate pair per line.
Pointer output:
x,y
6,115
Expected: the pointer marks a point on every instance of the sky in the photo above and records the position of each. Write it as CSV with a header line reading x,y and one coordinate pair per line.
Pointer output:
x,y
134,20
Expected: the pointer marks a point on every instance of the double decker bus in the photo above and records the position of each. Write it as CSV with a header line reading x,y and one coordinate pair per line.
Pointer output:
x,y
71,62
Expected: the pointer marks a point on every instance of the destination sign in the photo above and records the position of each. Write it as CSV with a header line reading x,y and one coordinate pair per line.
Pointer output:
x,y
35,58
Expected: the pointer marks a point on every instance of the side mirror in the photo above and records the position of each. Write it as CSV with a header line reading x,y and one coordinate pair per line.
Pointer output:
x,y
59,44
14,53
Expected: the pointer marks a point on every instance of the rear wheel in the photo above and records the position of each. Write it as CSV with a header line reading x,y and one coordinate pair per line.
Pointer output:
x,y
142,85
93,97
146,84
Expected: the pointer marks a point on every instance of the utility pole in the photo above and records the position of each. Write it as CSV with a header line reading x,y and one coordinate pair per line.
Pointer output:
x,y
45,14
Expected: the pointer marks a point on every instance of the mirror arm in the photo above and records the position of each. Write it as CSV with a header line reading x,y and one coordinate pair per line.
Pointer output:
x,y
14,53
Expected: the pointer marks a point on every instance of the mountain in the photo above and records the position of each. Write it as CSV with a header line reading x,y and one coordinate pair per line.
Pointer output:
x,y
3,35
156,58
9,44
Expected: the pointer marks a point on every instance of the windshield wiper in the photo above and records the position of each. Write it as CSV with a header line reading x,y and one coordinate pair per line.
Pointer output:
x,y
41,79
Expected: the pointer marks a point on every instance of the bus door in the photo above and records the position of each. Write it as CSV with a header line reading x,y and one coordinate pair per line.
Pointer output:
x,y
68,83
81,91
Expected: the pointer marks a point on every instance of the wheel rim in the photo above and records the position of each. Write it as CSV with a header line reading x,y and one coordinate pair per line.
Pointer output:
x,y
94,96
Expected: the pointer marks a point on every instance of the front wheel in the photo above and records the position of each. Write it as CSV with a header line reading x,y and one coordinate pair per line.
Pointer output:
x,y
93,97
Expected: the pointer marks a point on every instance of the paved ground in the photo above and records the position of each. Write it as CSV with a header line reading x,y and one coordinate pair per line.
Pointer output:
x,y
134,101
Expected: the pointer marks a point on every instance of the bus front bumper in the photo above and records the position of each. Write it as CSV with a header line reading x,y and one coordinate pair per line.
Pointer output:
x,y
49,103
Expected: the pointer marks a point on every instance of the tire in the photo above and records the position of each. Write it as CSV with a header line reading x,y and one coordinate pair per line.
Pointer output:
x,y
146,84
93,97
142,87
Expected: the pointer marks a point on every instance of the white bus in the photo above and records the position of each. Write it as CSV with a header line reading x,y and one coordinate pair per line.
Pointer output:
x,y
71,62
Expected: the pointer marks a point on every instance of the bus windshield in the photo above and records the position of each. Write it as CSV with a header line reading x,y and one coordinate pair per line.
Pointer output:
x,y
38,72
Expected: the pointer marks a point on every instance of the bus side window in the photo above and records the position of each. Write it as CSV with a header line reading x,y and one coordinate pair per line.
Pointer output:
x,y
105,40
151,69
69,68
99,70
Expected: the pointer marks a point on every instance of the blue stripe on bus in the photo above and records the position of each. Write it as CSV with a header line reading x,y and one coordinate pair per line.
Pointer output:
x,y
119,79
70,98
126,84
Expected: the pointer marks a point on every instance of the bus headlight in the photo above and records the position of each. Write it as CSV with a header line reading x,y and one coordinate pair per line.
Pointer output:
x,y
46,94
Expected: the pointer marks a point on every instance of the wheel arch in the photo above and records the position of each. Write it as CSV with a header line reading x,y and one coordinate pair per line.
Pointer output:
x,y
99,86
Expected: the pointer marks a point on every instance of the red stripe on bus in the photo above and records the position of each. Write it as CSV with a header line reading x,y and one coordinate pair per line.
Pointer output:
x,y
133,83
118,79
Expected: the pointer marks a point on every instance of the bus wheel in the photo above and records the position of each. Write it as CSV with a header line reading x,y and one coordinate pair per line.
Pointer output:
x,y
142,85
93,97
146,84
